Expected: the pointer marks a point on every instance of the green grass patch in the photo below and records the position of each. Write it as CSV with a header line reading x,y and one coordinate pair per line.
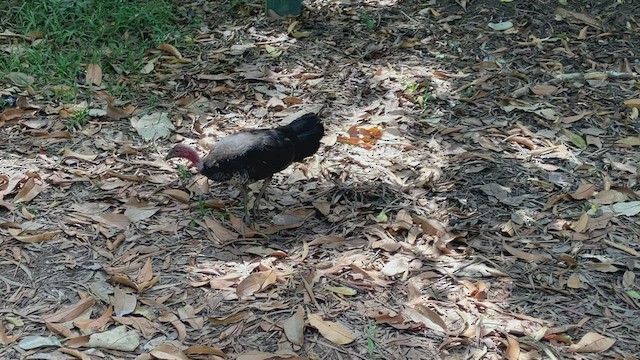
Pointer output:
x,y
66,35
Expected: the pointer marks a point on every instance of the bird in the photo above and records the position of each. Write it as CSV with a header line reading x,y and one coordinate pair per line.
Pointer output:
x,y
248,156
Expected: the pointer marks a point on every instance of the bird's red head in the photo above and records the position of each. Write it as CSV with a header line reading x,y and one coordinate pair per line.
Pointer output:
x,y
185,152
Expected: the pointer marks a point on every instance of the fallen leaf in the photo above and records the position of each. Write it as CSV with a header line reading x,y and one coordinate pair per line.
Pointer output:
x,y
153,126
70,312
123,303
168,48
527,256
255,282
592,342
28,192
118,338
294,327
166,351
334,332
94,74
585,191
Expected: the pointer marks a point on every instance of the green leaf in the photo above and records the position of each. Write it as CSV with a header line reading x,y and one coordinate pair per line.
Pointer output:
x,y
633,294
20,79
382,217
578,141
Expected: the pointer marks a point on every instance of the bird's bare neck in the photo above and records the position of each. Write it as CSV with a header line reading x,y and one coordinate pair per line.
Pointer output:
x,y
195,159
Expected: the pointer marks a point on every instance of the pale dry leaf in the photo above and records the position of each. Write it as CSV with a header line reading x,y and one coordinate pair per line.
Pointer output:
x,y
118,338
123,303
334,332
153,126
397,265
94,74
592,342
68,153
135,214
294,327
423,315
34,342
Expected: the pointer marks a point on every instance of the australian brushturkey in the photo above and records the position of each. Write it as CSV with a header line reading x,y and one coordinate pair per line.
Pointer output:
x,y
248,156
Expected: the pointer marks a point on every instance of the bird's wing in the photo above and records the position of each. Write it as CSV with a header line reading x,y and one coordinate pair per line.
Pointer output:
x,y
256,153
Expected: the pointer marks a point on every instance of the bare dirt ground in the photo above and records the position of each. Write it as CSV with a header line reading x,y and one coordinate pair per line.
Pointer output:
x,y
475,196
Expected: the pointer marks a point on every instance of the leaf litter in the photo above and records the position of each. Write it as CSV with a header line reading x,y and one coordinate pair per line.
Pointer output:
x,y
475,183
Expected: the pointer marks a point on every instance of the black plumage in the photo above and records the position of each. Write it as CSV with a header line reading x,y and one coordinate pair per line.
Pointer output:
x,y
249,156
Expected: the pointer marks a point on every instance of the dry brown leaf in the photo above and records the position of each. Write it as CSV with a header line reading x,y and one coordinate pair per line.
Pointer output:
x,y
6,339
167,351
94,74
70,312
513,348
527,256
36,238
89,325
177,324
592,343
334,332
326,240
179,195
168,48
544,90
580,226
28,192
145,326
146,273
203,350
231,319
116,113
68,153
75,353
255,282
188,313
575,282
528,143
585,191
61,329
282,355
221,233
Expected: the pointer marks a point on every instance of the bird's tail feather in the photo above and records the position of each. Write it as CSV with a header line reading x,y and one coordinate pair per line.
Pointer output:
x,y
307,131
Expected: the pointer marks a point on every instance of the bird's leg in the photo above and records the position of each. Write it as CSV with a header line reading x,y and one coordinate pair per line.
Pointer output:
x,y
245,202
256,202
